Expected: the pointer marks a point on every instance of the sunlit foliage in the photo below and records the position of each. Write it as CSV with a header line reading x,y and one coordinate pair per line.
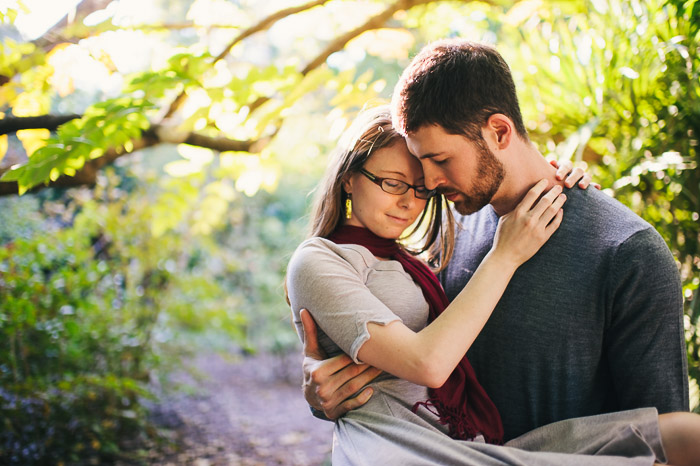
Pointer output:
x,y
200,127
620,90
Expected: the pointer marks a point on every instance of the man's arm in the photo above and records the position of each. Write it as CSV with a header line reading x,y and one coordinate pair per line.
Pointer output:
x,y
329,384
645,339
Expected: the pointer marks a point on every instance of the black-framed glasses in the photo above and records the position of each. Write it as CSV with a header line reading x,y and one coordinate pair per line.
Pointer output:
x,y
398,187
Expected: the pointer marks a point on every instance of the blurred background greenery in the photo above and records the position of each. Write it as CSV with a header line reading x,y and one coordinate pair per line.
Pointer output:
x,y
164,151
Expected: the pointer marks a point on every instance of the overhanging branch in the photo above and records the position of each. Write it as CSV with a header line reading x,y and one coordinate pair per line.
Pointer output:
x,y
55,34
375,22
81,11
263,25
266,23
87,176
9,125
218,143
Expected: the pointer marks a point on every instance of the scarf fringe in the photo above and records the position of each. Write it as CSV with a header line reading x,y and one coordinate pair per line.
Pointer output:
x,y
460,427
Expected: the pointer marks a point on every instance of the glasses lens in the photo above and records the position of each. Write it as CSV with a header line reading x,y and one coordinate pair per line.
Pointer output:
x,y
394,186
424,193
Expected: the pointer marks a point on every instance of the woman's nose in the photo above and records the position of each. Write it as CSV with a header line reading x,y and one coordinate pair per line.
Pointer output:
x,y
407,199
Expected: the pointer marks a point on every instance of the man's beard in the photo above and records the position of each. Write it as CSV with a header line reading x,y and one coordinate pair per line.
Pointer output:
x,y
488,179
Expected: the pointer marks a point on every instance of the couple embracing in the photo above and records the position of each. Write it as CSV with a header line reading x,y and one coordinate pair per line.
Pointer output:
x,y
556,335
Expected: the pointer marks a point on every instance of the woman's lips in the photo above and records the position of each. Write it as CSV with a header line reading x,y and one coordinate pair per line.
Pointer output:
x,y
398,219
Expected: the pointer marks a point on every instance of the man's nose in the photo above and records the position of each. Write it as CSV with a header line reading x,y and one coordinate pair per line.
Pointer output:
x,y
432,179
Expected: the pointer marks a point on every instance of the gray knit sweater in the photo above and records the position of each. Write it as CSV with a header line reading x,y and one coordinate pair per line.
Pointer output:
x,y
592,323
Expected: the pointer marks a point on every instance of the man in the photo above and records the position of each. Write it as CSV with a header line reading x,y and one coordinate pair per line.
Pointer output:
x,y
592,323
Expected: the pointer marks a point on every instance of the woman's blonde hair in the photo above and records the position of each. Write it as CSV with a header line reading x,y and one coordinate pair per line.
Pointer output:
x,y
372,130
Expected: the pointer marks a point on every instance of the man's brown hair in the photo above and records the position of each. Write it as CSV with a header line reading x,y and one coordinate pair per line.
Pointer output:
x,y
458,85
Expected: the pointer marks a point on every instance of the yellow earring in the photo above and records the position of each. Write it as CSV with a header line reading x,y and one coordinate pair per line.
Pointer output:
x,y
348,207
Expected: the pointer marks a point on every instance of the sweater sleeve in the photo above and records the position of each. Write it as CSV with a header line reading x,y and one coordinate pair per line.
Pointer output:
x,y
645,337
332,288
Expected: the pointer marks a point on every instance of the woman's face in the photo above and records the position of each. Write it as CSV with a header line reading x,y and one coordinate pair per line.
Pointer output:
x,y
384,214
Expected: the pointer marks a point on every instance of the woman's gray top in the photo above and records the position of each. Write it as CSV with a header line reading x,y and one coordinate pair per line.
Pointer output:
x,y
345,287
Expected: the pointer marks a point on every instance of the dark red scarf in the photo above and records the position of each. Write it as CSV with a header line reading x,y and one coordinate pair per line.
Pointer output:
x,y
461,402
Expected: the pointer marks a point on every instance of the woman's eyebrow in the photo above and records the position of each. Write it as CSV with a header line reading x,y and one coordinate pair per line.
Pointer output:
x,y
393,172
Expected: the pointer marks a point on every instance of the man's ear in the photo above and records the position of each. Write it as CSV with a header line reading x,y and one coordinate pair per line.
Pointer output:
x,y
499,131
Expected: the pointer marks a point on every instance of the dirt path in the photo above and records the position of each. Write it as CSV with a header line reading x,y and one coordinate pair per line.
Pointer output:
x,y
245,412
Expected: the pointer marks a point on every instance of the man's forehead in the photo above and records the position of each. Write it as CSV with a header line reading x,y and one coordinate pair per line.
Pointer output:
x,y
423,144
413,144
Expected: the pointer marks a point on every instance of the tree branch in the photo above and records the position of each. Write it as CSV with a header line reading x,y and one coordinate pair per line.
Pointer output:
x,y
375,22
263,25
86,176
158,134
81,11
10,125
219,144
153,136
178,26
54,35
266,23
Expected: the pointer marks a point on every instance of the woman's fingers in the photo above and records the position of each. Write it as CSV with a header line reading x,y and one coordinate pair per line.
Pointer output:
x,y
546,201
576,174
554,224
572,176
523,231
563,168
532,195
553,209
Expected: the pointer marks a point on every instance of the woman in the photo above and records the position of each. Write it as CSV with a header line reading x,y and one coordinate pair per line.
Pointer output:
x,y
371,299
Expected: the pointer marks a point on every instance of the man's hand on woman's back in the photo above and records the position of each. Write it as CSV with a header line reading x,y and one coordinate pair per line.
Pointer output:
x,y
329,384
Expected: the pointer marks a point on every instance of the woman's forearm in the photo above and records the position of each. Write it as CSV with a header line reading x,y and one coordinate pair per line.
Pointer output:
x,y
429,356
447,339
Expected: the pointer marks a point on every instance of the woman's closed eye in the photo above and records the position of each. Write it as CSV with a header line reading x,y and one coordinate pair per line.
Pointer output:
x,y
393,183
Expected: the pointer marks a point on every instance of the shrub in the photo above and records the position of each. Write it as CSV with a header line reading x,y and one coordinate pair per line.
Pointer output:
x,y
74,351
